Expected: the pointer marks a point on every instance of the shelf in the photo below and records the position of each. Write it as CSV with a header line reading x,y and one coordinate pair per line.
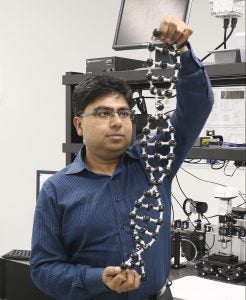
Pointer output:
x,y
219,74
229,74
218,153
213,153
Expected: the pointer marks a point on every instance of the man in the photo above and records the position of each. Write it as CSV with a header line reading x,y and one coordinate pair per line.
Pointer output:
x,y
81,232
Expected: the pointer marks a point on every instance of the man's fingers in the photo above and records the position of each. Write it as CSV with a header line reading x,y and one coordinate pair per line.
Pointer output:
x,y
185,35
123,281
112,271
119,279
133,279
174,31
109,273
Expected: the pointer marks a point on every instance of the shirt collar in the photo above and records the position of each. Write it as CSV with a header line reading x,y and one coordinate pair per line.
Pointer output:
x,y
79,165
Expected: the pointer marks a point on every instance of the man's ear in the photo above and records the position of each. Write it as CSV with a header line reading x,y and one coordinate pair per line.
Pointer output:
x,y
77,122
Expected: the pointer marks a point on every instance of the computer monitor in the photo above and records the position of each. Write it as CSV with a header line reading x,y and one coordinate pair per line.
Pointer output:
x,y
41,177
138,18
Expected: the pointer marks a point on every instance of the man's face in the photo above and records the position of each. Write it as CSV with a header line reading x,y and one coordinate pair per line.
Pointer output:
x,y
107,138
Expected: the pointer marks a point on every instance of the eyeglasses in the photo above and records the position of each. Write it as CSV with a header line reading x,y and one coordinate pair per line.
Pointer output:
x,y
106,114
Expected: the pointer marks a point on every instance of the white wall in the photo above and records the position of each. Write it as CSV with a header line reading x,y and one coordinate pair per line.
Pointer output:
x,y
39,42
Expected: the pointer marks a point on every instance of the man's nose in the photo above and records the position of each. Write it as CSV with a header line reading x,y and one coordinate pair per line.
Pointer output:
x,y
115,118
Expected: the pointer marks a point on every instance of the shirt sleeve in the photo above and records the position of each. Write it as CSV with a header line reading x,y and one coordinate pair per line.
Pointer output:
x,y
50,268
194,104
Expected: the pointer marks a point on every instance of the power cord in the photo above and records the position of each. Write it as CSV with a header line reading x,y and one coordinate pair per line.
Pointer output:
x,y
180,187
233,25
227,174
226,25
244,201
202,179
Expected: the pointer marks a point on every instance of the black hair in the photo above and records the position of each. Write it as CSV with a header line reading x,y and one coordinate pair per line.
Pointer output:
x,y
97,85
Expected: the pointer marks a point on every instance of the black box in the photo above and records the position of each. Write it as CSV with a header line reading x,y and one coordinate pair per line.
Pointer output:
x,y
111,64
16,282
189,239
240,212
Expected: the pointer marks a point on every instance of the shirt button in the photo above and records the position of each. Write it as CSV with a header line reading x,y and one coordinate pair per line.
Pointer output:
x,y
117,199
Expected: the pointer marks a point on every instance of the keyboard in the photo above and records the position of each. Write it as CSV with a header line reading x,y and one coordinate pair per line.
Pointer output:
x,y
18,254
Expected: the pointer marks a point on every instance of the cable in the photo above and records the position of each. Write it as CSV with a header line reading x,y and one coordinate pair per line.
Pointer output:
x,y
177,201
226,24
169,111
233,25
232,172
180,187
241,204
209,248
225,31
195,162
241,195
182,208
212,216
244,200
204,217
217,162
202,179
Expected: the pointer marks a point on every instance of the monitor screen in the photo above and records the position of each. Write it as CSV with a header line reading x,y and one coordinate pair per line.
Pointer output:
x,y
138,18
41,177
